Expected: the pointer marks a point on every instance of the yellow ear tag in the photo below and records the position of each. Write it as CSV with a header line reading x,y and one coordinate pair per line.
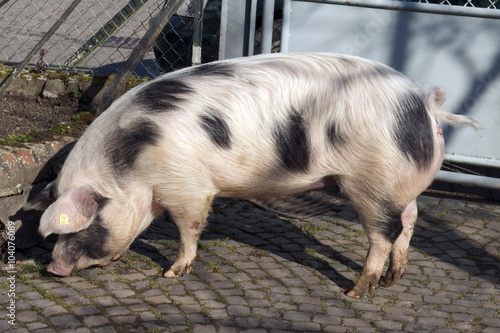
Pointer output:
x,y
63,219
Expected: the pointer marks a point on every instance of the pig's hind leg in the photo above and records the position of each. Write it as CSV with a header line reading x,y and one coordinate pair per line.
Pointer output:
x,y
383,226
190,217
399,254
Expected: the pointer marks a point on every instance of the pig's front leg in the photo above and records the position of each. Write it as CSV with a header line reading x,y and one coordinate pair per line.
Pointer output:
x,y
399,254
190,220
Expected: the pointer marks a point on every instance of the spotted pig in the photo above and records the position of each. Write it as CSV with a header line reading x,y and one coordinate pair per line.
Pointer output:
x,y
262,126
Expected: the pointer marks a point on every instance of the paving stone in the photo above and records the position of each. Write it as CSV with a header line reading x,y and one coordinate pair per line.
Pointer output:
x,y
85,310
305,326
95,320
238,310
39,327
41,303
246,322
117,310
106,329
94,292
147,316
296,316
26,316
204,329
123,293
53,310
105,301
174,318
67,320
120,320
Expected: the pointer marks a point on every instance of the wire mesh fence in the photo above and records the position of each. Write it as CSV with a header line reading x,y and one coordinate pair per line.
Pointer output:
x,y
100,34
466,3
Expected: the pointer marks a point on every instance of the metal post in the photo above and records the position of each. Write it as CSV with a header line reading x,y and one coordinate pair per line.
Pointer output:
x,y
285,27
117,86
251,32
38,46
267,26
233,40
197,33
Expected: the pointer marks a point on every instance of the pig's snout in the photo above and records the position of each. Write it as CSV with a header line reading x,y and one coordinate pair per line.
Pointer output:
x,y
57,267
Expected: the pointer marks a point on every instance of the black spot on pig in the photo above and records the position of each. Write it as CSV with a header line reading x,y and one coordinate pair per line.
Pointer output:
x,y
162,95
333,135
216,128
392,227
292,143
126,144
89,242
413,131
213,69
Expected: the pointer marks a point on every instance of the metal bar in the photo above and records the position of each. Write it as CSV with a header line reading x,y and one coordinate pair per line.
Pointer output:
x,y
232,29
3,2
416,7
38,46
104,33
253,24
224,17
285,26
117,86
465,179
484,162
267,26
197,33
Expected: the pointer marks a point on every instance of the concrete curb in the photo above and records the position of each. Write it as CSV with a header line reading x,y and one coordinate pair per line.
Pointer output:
x,y
28,85
31,85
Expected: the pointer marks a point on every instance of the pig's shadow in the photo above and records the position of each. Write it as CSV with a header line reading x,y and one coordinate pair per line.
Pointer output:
x,y
257,228
264,231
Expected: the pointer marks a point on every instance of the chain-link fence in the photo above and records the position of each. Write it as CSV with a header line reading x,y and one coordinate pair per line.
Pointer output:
x,y
466,3
98,36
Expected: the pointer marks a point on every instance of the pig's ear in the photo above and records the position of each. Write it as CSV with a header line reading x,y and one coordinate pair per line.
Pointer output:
x,y
73,211
43,199
437,96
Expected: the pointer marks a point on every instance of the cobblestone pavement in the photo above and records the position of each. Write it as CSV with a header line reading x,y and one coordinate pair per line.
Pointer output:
x,y
256,272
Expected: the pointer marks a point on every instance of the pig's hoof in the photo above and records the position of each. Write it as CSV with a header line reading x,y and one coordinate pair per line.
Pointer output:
x,y
104,263
354,294
388,280
174,272
178,271
170,274
391,276
366,284
116,257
